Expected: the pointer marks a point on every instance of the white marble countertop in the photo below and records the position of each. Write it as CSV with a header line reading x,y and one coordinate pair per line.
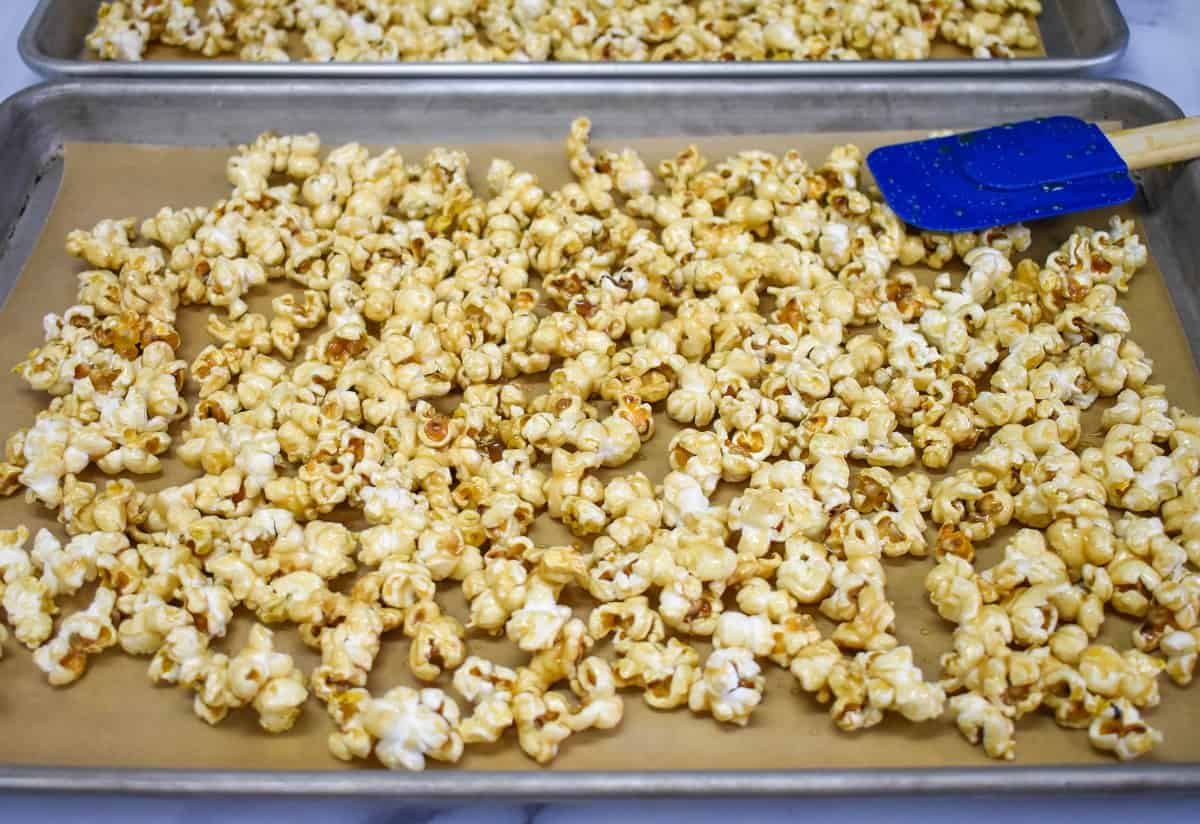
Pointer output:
x,y
1162,54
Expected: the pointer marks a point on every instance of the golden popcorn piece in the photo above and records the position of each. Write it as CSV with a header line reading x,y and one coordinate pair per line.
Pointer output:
x,y
1119,729
489,688
983,722
87,632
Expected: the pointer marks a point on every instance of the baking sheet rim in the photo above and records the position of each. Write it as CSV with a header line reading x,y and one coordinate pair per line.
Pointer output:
x,y
579,785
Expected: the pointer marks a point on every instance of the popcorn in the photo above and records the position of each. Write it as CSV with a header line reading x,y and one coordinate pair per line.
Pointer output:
x,y
806,572
665,671
1180,647
457,32
1118,728
181,658
1067,695
756,597
15,562
549,666
630,621
1068,643
730,686
117,37
897,685
444,550
692,401
749,632
348,650
269,680
813,664
495,592
600,707
149,623
397,380
1131,676
984,722
210,604
1034,618
537,624
30,607
687,605
960,500
954,590
545,720
402,728
437,644
64,657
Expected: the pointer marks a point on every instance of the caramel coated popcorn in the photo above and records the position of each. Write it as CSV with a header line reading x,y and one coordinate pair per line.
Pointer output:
x,y
442,371
527,30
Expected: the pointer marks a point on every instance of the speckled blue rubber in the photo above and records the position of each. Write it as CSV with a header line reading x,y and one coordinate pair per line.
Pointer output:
x,y
992,177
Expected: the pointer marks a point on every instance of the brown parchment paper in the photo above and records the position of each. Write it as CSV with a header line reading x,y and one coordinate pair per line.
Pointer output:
x,y
939,50
114,717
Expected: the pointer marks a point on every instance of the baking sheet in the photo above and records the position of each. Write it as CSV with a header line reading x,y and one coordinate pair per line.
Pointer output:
x,y
1077,35
115,718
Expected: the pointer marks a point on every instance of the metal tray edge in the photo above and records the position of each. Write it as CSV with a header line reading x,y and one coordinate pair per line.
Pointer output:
x,y
49,66
60,86
445,785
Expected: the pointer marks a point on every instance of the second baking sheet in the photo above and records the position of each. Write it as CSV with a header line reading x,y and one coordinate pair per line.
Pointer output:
x,y
1076,34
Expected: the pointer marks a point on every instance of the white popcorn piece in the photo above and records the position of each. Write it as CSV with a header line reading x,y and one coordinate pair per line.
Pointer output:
x,y
1118,728
730,686
986,723
540,620
403,728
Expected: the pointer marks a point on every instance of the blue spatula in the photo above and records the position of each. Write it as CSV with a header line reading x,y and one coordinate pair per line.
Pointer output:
x,y
1022,171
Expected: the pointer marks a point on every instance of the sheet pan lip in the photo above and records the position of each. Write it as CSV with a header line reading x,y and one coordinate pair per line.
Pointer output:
x,y
49,66
58,87
450,784
445,784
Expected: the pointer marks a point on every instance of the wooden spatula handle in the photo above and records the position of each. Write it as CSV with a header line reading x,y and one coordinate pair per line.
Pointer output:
x,y
1159,144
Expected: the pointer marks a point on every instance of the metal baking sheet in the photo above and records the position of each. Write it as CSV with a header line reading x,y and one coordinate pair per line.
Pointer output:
x,y
35,125
1076,35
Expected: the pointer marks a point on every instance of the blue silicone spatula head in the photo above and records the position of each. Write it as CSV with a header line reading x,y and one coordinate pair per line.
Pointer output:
x,y
992,177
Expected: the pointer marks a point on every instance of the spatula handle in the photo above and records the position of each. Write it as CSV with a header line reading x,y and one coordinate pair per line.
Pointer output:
x,y
1159,144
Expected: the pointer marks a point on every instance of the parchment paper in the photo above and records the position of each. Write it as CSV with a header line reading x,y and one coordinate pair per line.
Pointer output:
x,y
939,50
115,717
